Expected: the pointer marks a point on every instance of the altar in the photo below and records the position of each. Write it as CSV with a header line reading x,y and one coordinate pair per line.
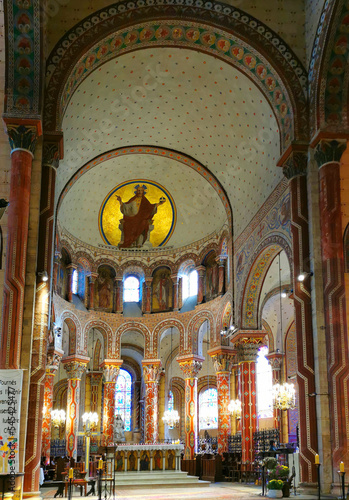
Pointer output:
x,y
146,457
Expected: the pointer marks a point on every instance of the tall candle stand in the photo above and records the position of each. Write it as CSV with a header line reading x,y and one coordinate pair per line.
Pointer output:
x,y
342,475
318,465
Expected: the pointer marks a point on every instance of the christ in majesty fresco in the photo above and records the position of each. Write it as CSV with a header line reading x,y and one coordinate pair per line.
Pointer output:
x,y
137,220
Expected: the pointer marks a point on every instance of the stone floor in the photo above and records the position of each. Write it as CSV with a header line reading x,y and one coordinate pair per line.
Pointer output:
x,y
216,491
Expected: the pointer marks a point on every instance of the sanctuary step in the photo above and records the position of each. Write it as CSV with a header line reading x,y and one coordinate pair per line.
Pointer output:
x,y
163,479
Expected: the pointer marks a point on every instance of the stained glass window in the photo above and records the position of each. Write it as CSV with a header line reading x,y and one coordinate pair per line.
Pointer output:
x,y
131,289
170,401
123,398
74,287
208,409
264,385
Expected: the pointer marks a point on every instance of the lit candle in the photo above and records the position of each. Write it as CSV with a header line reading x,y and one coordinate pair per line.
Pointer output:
x,y
71,473
100,464
317,459
341,467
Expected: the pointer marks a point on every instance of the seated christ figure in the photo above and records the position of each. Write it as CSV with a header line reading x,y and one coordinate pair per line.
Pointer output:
x,y
137,220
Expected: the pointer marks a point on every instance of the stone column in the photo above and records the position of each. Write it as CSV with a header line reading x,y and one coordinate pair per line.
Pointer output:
x,y
275,360
201,282
151,376
147,305
247,345
223,358
75,367
327,156
190,366
51,155
70,268
111,369
119,295
174,278
22,141
295,168
221,274
91,289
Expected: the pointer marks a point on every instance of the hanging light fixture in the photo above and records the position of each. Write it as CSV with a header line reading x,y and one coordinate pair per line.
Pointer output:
x,y
284,396
57,418
234,408
90,421
171,417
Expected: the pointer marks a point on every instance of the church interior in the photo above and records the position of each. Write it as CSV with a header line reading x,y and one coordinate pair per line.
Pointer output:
x,y
174,242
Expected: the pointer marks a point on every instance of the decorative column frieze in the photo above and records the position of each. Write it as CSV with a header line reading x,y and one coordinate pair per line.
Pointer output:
x,y
190,366
328,155
91,289
75,368
22,138
151,377
174,278
295,169
119,295
247,345
111,369
201,282
223,358
147,305
221,273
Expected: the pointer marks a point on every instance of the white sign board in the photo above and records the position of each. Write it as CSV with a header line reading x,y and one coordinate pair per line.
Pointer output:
x,y
10,411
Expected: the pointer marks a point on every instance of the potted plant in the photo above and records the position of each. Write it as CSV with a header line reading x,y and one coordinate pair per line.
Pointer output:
x,y
275,488
281,472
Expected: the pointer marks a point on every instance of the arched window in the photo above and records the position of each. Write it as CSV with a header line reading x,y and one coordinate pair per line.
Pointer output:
x,y
170,401
208,409
264,385
74,286
123,398
131,289
189,284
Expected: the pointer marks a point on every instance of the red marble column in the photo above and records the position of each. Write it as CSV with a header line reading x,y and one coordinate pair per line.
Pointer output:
x,y
151,376
91,289
221,274
275,360
147,308
119,295
111,369
328,156
53,360
247,345
223,358
174,278
295,168
75,367
190,366
22,139
201,283
51,156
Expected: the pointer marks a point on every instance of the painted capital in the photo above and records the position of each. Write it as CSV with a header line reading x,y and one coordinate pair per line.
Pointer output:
x,y
329,152
22,136
54,356
295,165
75,367
92,277
221,260
190,365
201,271
50,154
151,370
111,369
223,358
247,344
275,360
174,278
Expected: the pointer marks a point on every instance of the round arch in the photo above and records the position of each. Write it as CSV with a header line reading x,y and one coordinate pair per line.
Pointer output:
x,y
76,341
192,338
159,330
106,332
130,325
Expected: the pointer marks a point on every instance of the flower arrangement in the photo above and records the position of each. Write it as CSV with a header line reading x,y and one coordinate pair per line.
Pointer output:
x,y
270,463
279,472
275,484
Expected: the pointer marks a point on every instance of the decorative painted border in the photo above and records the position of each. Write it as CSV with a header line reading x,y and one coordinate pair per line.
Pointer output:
x,y
168,153
172,203
103,23
23,47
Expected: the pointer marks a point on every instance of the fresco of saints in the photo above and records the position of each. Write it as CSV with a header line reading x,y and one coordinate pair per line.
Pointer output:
x,y
138,213
162,292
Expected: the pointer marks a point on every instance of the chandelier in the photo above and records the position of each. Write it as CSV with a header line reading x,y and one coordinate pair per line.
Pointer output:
x,y
207,416
90,421
234,408
171,418
284,396
57,417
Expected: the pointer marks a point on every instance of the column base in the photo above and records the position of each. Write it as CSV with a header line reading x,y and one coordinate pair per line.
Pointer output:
x,y
33,495
308,488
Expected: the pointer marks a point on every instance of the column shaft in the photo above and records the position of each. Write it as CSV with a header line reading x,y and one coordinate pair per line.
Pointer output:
x,y
151,374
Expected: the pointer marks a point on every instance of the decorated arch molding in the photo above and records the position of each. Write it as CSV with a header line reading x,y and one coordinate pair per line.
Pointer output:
x,y
158,330
130,325
219,29
190,344
260,263
150,150
270,336
76,345
84,259
106,332
329,71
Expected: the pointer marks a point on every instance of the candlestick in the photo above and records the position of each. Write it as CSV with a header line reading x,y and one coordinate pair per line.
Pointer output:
x,y
317,459
100,464
71,473
341,467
